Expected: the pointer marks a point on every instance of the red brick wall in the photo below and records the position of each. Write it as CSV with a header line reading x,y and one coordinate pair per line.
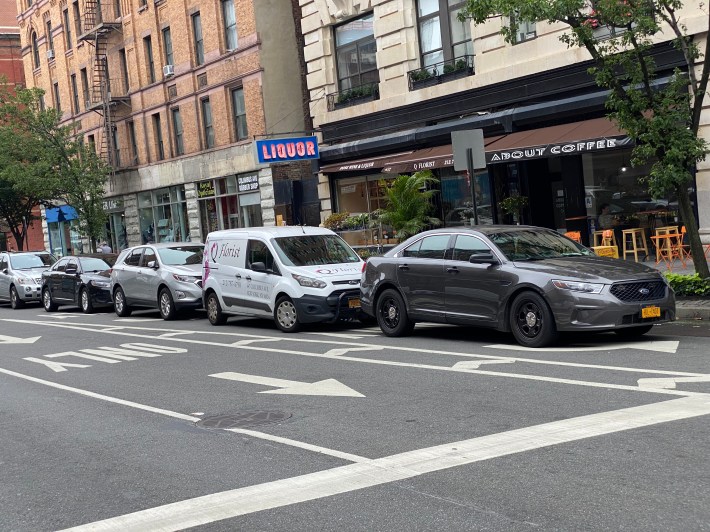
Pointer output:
x,y
35,237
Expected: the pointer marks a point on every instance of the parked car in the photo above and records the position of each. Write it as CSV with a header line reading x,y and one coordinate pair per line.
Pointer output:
x,y
21,276
166,276
293,275
530,281
81,281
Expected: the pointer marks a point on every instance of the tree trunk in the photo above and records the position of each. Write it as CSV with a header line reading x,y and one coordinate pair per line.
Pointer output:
x,y
19,238
691,227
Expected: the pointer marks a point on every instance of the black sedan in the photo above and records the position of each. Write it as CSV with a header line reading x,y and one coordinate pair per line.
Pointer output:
x,y
77,281
531,281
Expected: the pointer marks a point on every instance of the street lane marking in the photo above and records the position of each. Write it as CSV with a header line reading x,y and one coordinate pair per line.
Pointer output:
x,y
242,501
663,346
14,340
261,435
670,383
327,387
342,350
108,355
475,364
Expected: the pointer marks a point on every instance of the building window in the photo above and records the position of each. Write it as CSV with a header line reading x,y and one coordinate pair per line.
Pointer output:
x,y
148,47
158,132
230,24
67,29
124,68
168,45
526,30
77,18
442,37
132,141
35,50
50,39
116,147
75,94
355,53
162,215
207,126
197,34
57,100
85,88
229,202
91,141
177,131
240,114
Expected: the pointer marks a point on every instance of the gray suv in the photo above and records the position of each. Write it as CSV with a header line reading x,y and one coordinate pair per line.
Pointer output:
x,y
165,276
21,276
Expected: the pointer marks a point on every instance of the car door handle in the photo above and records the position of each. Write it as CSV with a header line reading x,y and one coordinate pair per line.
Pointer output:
x,y
248,278
239,276
452,269
403,266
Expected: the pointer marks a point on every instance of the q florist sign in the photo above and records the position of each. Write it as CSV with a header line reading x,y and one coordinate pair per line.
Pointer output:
x,y
284,150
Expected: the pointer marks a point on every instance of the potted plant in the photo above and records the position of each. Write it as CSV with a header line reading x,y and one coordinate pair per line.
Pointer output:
x,y
457,69
513,206
336,221
424,77
356,95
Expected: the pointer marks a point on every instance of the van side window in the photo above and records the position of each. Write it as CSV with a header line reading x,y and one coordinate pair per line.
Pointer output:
x,y
257,251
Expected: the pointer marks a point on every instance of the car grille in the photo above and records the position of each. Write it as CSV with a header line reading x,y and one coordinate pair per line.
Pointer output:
x,y
351,283
639,291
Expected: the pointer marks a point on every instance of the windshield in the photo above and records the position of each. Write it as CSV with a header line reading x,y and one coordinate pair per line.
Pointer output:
x,y
25,262
181,256
313,250
94,265
536,245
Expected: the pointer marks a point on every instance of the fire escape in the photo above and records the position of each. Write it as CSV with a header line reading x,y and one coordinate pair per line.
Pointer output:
x,y
107,96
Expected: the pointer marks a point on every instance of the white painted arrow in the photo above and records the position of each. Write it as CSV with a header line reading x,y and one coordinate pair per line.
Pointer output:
x,y
342,350
326,387
669,383
475,364
663,346
13,340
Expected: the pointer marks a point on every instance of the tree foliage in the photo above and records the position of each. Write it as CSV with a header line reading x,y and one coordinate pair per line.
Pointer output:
x,y
663,118
408,204
43,162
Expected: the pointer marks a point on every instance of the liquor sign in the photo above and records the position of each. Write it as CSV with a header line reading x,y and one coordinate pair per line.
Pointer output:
x,y
283,150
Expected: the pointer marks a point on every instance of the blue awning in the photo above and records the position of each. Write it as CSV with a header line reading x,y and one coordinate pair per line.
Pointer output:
x,y
60,214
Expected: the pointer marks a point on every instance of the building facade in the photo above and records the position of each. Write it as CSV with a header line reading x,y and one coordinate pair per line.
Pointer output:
x,y
173,95
399,76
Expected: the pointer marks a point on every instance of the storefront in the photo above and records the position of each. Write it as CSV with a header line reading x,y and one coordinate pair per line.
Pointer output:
x,y
116,235
229,202
63,229
162,215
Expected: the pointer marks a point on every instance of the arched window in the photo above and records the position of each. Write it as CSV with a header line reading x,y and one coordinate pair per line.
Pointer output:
x,y
35,49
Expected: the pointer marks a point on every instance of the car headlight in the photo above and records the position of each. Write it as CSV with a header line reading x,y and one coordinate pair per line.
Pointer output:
x,y
25,280
185,278
309,281
576,286
100,284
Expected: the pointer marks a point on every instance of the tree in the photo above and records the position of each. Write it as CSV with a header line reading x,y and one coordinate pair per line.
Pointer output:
x,y
408,204
663,120
42,161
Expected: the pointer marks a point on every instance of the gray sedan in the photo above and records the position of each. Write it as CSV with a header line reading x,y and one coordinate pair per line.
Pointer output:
x,y
530,281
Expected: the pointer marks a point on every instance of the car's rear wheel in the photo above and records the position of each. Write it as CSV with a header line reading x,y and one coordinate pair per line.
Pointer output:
x,y
119,303
214,310
391,314
286,316
47,302
531,320
166,304
634,332
15,301
87,307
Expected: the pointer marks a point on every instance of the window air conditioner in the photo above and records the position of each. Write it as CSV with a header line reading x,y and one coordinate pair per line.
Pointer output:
x,y
168,71
50,54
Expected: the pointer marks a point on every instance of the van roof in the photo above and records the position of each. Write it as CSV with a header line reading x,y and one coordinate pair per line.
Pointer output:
x,y
271,232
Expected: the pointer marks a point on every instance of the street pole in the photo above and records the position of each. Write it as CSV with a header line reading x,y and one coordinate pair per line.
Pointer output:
x,y
471,177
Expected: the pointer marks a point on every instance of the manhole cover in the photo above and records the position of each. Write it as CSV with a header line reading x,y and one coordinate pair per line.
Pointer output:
x,y
242,420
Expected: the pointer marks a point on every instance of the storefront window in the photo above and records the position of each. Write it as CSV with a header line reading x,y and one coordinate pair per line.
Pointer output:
x,y
162,215
229,202
359,196
457,201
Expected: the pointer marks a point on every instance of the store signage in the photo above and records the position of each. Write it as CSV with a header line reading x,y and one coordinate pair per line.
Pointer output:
x,y
205,189
550,150
246,183
283,150
112,205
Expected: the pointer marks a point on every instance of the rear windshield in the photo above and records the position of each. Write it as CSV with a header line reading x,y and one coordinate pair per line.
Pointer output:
x,y
181,256
25,262
313,250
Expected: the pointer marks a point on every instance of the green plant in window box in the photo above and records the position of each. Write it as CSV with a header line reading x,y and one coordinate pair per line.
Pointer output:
x,y
461,64
422,74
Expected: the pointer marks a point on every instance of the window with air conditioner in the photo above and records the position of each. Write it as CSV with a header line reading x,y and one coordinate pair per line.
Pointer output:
x,y
168,70
50,54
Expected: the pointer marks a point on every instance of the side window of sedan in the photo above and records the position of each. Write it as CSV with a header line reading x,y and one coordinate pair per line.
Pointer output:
x,y
3,262
134,258
72,265
413,250
433,247
467,245
61,265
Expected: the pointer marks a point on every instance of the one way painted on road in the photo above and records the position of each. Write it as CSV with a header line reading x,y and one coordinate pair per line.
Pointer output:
x,y
329,387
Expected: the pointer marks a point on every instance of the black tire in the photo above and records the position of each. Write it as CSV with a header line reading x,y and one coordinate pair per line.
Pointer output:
x,y
166,305
119,303
286,315
15,301
47,303
85,303
391,314
214,310
634,332
531,321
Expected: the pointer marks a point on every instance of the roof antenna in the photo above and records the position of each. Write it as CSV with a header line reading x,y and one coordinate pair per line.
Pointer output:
x,y
303,228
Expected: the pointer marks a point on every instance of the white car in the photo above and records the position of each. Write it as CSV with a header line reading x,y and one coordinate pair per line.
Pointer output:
x,y
21,276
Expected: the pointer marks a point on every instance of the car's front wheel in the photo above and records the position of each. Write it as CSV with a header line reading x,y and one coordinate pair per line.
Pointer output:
x,y
120,306
214,310
87,307
15,301
531,320
49,305
166,304
391,314
634,332
286,316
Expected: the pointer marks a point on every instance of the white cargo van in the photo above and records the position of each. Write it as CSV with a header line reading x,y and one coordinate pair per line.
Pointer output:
x,y
293,275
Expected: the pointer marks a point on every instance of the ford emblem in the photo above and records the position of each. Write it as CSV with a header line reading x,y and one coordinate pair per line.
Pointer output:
x,y
644,291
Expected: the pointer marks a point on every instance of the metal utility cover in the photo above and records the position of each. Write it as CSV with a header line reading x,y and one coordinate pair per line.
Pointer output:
x,y
462,141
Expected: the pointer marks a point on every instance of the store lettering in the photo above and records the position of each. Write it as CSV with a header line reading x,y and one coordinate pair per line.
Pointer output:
x,y
205,189
555,149
288,150
229,251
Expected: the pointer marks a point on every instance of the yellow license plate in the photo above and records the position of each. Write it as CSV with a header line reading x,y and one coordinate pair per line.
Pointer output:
x,y
651,312
354,303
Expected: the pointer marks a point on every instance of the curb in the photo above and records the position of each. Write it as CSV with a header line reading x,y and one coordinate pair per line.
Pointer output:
x,y
692,313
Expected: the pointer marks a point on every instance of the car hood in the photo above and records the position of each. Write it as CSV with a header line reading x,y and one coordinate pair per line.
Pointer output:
x,y
187,269
32,272
589,268
331,272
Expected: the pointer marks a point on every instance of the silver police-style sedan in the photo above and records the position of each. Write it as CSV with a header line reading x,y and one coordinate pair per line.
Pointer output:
x,y
531,281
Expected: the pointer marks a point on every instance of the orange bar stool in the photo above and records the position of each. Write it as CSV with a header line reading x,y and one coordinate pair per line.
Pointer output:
x,y
574,235
634,242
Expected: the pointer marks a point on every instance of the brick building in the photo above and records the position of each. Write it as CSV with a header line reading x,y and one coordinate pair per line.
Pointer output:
x,y
173,96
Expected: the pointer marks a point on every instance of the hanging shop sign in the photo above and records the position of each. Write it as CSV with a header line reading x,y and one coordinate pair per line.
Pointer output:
x,y
247,183
284,150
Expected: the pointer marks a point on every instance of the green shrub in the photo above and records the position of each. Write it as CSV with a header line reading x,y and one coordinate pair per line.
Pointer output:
x,y
688,285
461,64
448,69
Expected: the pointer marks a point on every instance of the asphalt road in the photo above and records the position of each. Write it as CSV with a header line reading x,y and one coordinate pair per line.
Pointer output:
x,y
140,424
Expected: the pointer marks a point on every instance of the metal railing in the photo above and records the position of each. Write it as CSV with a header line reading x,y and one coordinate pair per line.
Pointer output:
x,y
354,96
437,73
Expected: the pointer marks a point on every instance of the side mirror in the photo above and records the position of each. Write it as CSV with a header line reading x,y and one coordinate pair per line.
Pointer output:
x,y
258,267
153,264
483,258
70,270
4,270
